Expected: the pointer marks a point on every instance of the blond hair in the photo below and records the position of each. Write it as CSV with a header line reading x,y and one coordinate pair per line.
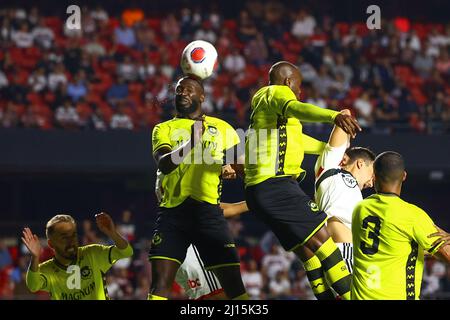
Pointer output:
x,y
50,227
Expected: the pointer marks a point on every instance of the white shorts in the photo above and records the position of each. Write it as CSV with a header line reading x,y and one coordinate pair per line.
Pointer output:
x,y
347,253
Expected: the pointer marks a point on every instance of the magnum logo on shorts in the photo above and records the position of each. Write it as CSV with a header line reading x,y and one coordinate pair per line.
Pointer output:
x,y
157,239
314,207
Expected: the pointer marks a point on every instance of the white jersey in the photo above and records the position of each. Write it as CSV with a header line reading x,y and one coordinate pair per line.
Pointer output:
x,y
337,191
197,282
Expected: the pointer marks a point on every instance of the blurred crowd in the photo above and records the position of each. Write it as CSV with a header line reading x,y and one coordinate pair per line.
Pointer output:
x,y
117,72
268,272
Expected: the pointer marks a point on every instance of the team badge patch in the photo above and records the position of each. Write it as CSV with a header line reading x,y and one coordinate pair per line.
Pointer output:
x,y
212,130
157,239
349,180
86,273
314,207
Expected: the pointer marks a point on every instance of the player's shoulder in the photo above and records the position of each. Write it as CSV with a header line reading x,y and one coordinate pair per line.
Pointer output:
x,y
92,248
218,123
412,208
47,265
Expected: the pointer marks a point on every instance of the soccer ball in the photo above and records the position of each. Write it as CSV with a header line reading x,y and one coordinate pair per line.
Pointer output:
x,y
199,59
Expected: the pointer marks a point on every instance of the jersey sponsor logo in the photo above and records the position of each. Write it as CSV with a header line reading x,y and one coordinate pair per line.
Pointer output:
x,y
349,180
157,238
314,207
229,245
80,294
194,283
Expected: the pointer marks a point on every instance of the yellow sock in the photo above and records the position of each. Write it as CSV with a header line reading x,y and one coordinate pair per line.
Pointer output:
x,y
243,296
155,297
335,269
316,278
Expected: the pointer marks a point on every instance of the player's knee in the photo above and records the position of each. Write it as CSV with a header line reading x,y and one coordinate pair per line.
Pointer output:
x,y
318,239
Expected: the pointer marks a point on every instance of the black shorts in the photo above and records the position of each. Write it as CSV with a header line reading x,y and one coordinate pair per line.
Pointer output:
x,y
286,209
199,223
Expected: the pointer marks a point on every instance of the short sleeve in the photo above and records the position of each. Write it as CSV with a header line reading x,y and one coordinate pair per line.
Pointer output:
x,y
281,96
330,158
423,226
160,137
101,255
231,138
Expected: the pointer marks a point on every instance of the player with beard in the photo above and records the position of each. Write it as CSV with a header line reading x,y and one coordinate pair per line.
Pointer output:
x,y
74,273
190,152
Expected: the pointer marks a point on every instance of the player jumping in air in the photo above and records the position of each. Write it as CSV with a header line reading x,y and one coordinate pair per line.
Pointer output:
x,y
273,155
189,211
390,236
341,174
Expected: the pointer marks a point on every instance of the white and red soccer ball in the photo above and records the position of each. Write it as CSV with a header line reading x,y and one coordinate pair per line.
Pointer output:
x,y
199,59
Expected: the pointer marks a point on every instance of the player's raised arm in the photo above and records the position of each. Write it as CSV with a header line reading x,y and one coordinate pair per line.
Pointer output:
x,y
338,136
106,225
34,281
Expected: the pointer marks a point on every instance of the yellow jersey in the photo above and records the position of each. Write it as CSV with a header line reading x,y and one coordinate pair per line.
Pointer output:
x,y
274,144
199,174
389,239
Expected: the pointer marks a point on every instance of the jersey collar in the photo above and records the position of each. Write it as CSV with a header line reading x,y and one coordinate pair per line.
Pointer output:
x,y
392,194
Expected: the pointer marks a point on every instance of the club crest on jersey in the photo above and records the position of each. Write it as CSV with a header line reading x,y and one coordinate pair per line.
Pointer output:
x,y
157,239
349,180
314,207
198,55
86,272
212,130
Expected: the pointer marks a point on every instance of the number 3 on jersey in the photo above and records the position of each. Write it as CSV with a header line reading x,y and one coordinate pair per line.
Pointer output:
x,y
372,235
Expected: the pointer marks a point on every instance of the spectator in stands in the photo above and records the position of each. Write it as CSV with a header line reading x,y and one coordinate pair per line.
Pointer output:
x,y
443,62
253,280
423,63
121,120
10,117
303,25
256,50
38,80
364,109
43,35
5,256
23,38
280,287
274,261
234,62
124,35
66,116
117,92
170,28
57,78
386,113
94,47
97,120
76,89
206,33
127,69
246,27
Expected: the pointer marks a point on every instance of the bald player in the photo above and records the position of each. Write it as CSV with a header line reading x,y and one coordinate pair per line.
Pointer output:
x,y
274,153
